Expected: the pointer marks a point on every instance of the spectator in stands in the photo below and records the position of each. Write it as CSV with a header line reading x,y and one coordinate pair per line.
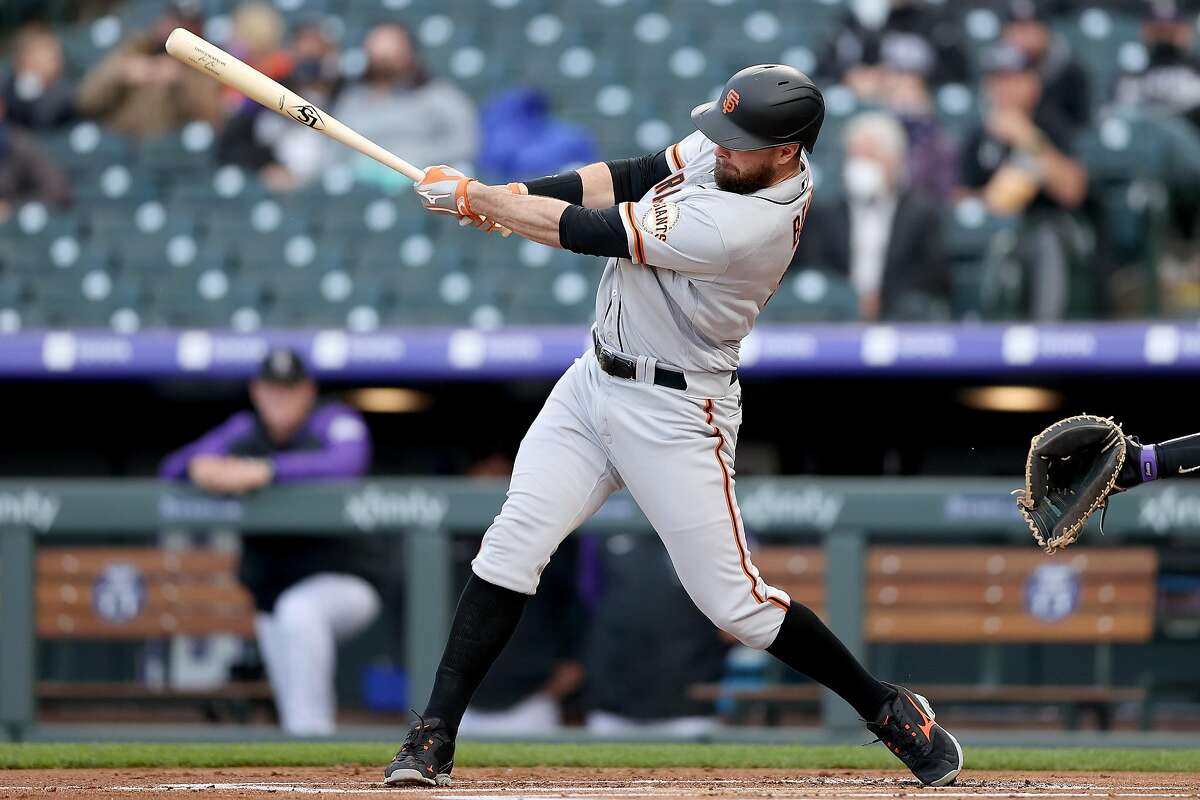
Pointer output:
x,y
309,592
1171,78
398,104
140,90
285,155
1019,162
522,138
257,39
853,56
1065,83
904,67
36,93
885,236
676,647
26,172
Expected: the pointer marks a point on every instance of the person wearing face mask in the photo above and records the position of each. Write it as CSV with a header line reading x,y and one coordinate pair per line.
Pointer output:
x,y
885,235
398,104
1171,78
285,155
905,63
310,592
37,94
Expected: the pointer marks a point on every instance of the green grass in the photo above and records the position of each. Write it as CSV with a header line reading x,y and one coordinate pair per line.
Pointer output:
x,y
477,754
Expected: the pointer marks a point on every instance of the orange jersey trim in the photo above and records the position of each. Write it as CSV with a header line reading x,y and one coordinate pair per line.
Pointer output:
x,y
730,507
673,157
639,251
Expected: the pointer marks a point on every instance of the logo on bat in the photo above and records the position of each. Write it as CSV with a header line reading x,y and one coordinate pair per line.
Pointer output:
x,y
304,114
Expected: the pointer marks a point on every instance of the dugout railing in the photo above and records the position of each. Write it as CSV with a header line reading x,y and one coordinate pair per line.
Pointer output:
x,y
844,513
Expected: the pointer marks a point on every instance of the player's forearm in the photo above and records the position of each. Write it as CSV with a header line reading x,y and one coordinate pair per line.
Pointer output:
x,y
604,184
347,460
590,186
1169,459
535,218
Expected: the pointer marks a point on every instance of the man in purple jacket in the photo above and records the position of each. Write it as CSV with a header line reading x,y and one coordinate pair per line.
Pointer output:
x,y
309,592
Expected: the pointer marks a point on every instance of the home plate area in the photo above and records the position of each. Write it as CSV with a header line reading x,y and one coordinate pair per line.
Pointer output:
x,y
567,782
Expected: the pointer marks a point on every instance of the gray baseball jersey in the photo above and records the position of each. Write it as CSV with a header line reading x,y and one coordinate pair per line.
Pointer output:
x,y
703,262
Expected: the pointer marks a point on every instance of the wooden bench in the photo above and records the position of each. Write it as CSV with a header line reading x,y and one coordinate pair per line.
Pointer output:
x,y
139,593
957,595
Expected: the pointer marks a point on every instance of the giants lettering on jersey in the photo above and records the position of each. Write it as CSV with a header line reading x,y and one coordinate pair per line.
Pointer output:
x,y
660,218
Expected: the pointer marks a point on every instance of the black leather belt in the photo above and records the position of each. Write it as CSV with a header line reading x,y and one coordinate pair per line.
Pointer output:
x,y
622,366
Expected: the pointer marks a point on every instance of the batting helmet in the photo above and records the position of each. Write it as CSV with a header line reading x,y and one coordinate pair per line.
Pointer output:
x,y
764,106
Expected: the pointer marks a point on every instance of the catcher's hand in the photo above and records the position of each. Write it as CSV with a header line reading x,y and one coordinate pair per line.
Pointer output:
x,y
1071,469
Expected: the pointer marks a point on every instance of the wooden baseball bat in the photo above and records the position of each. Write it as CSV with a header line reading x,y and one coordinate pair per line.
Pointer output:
x,y
205,57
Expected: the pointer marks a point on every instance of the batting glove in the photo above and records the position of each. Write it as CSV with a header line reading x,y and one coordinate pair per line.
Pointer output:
x,y
443,190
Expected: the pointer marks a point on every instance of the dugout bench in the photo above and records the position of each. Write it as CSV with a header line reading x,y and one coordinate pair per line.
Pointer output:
x,y
851,517
144,594
991,596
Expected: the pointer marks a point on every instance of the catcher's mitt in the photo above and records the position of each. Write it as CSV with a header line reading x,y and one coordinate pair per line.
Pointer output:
x,y
1071,469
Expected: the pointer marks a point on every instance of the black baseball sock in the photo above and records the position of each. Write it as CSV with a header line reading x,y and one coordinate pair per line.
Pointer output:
x,y
485,620
806,645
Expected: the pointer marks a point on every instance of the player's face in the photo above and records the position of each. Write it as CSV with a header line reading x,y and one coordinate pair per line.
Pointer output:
x,y
746,171
283,407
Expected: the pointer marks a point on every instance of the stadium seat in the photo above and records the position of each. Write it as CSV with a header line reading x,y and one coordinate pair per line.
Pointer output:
x,y
558,297
811,295
969,229
1123,146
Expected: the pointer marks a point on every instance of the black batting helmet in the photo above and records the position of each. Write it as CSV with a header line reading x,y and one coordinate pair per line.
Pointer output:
x,y
764,106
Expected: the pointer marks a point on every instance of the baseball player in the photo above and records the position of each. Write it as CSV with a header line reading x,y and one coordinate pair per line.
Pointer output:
x,y
698,237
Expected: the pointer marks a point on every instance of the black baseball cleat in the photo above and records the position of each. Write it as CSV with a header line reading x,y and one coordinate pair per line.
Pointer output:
x,y
907,728
426,757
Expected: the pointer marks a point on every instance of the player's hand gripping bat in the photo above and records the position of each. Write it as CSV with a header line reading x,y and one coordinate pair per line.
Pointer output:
x,y
202,56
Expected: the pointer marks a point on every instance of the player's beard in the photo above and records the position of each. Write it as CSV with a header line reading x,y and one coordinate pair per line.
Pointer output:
x,y
742,181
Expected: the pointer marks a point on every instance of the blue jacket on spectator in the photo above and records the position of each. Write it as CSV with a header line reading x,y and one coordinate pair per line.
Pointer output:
x,y
521,140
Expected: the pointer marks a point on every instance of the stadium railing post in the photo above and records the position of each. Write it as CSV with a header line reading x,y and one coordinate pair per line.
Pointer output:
x,y
17,623
845,557
427,608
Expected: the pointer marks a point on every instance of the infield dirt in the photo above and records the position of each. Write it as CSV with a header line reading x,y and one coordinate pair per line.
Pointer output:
x,y
569,782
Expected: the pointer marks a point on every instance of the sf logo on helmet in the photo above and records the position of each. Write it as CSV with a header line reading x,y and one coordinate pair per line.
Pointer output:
x,y
731,101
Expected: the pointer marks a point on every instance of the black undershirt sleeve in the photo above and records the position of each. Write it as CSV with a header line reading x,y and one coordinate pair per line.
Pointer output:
x,y
593,232
1179,456
567,187
633,177
1170,459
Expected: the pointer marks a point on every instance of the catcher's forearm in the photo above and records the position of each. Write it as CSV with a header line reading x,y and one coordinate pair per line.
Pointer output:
x,y
1170,459
535,218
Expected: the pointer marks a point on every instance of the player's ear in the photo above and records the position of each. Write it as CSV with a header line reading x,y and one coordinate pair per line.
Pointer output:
x,y
787,154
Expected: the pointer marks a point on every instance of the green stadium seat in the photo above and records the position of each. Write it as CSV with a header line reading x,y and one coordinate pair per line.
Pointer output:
x,y
34,256
559,297
969,229
87,147
13,290
812,295
1121,147
118,183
